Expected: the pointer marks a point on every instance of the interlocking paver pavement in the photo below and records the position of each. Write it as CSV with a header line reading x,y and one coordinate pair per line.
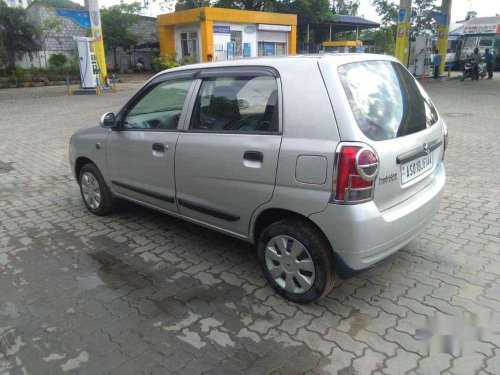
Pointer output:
x,y
139,292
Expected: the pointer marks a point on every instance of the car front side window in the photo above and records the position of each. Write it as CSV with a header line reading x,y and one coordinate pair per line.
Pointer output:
x,y
160,108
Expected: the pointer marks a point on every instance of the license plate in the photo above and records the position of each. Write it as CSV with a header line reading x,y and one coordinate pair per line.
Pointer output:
x,y
417,167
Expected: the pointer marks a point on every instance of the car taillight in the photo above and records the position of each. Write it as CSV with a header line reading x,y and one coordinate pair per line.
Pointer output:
x,y
356,170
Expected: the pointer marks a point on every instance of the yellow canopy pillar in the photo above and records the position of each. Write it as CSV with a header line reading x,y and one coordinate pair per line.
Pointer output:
x,y
207,39
403,30
96,32
443,28
166,39
292,40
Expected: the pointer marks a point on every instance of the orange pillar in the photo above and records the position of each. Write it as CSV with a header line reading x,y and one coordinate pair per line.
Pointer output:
x,y
207,39
292,40
166,39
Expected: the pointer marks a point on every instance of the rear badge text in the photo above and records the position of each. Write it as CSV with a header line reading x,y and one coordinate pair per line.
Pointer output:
x,y
388,178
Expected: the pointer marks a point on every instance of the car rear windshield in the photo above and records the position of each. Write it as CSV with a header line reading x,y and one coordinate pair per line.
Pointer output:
x,y
386,100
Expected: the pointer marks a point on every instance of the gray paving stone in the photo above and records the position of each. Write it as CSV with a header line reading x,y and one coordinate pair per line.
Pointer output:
x,y
401,363
434,364
368,362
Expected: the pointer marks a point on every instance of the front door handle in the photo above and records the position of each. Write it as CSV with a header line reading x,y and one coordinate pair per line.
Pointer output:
x,y
159,147
253,156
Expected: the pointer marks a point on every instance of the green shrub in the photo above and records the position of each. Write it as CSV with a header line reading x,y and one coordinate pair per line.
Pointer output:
x,y
74,63
36,74
19,73
165,61
189,60
58,60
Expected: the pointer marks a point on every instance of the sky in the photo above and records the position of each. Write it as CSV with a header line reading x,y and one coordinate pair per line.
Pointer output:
x,y
459,8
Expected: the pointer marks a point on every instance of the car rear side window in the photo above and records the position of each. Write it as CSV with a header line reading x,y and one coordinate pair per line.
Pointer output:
x,y
237,104
385,99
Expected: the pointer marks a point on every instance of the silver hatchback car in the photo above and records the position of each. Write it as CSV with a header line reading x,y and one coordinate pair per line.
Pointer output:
x,y
328,163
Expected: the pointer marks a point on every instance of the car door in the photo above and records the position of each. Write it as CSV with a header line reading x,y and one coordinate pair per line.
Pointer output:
x,y
226,158
141,153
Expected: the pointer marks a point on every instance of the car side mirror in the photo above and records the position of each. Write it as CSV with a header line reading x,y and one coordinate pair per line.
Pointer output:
x,y
108,120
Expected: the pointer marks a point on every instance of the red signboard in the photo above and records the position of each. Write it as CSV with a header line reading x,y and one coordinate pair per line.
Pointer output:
x,y
482,29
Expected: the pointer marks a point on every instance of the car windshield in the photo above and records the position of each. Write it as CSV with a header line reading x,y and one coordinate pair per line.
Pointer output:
x,y
386,100
470,42
486,42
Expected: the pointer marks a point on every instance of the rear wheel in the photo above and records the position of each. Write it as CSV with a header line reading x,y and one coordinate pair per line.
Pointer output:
x,y
95,192
297,260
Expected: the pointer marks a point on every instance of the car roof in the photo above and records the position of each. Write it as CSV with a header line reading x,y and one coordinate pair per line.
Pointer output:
x,y
278,61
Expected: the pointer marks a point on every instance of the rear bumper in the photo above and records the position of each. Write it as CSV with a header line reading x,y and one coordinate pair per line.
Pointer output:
x,y
361,235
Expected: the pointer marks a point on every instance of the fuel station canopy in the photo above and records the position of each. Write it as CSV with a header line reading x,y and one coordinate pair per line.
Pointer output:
x,y
343,23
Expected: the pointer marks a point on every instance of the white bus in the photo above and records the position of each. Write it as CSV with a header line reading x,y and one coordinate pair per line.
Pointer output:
x,y
482,33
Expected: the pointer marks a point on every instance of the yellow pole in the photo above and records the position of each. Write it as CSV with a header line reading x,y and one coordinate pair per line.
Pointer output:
x,y
166,39
292,40
403,29
207,39
96,32
443,28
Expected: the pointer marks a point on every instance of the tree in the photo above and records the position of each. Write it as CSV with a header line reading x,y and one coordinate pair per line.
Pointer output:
x,y
346,7
190,4
382,38
259,5
50,26
17,35
388,10
116,22
421,24
60,3
58,60
310,11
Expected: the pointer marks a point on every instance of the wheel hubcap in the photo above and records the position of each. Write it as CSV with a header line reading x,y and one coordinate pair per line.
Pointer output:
x,y
91,191
290,264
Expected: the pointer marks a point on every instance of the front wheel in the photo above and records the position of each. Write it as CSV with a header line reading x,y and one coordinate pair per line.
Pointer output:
x,y
463,77
95,192
297,260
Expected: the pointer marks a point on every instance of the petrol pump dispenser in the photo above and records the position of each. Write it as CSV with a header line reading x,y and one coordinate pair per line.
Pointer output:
x,y
89,69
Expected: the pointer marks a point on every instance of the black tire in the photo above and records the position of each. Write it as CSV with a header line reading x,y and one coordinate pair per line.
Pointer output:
x,y
462,78
319,249
105,205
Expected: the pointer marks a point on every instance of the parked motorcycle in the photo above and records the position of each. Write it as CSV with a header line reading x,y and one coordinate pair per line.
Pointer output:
x,y
470,70
140,66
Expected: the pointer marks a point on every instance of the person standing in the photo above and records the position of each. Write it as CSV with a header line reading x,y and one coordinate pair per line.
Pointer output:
x,y
488,57
436,62
477,58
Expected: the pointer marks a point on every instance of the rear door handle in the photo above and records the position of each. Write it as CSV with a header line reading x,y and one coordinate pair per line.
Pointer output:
x,y
253,156
159,147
